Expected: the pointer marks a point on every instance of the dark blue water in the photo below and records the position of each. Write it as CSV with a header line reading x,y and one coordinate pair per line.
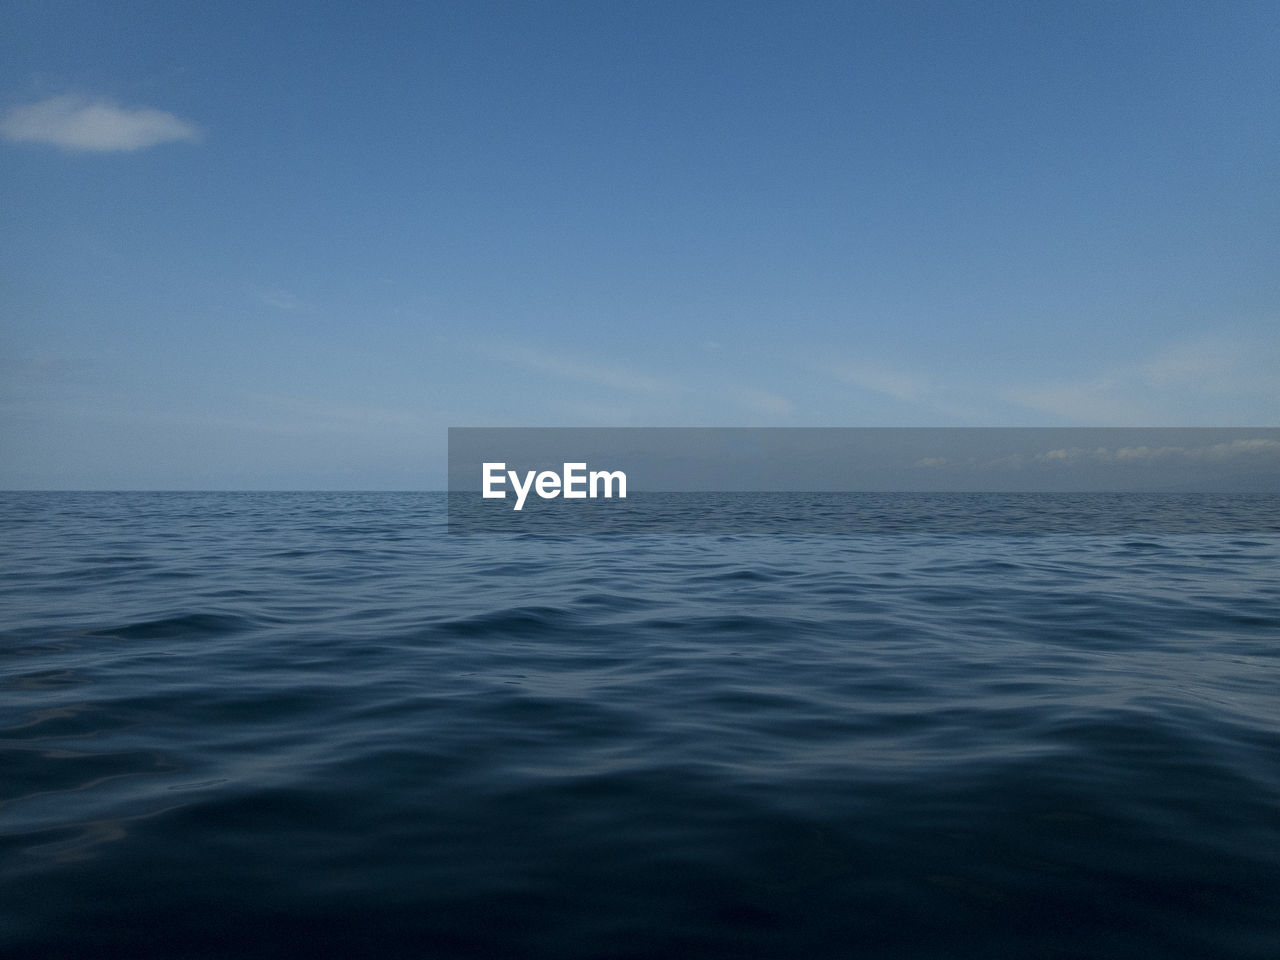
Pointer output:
x,y
259,725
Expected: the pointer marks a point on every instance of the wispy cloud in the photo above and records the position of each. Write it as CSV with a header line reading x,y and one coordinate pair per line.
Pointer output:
x,y
587,371
1195,381
764,402
1211,453
1105,401
304,415
82,123
281,299
633,395
1205,363
1253,449
881,379
923,394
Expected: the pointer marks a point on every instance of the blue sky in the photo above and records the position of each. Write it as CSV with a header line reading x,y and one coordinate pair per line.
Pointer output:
x,y
251,246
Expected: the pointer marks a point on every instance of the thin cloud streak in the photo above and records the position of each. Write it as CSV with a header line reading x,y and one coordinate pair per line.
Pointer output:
x,y
599,374
1217,452
1201,377
94,125
281,299
881,379
764,402
1100,402
1205,363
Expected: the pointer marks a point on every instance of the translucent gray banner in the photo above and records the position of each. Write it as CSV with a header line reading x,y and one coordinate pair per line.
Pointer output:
x,y
864,480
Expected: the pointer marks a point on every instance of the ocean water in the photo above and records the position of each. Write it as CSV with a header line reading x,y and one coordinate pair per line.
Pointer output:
x,y
261,725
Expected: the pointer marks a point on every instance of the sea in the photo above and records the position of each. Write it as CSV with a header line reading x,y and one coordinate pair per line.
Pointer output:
x,y
254,725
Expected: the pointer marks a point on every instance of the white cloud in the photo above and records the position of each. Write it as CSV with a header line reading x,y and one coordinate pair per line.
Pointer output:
x,y
301,415
80,123
605,375
765,402
1205,382
1252,447
879,379
281,299
1105,401
1204,363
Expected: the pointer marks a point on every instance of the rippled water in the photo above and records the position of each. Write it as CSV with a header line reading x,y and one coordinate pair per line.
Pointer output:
x,y
286,724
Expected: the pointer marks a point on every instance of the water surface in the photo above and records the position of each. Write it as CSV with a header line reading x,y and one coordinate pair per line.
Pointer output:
x,y
280,724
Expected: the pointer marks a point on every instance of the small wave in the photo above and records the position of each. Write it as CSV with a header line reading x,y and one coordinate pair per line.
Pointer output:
x,y
186,626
